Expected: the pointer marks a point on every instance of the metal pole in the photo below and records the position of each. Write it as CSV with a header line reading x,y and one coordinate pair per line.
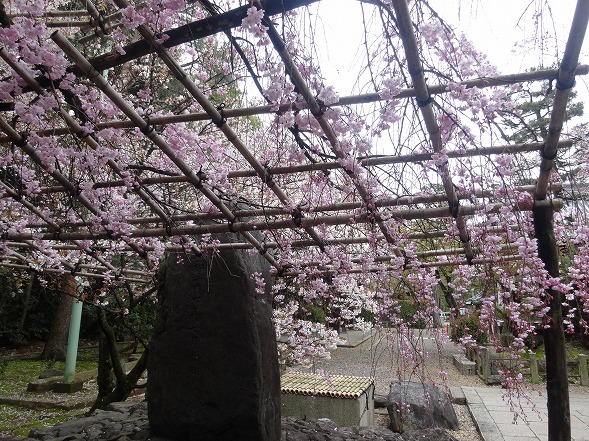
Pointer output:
x,y
72,342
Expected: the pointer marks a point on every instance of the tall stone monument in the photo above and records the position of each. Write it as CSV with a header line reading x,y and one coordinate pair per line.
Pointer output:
x,y
213,365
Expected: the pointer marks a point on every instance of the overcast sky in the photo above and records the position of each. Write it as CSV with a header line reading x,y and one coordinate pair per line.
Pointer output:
x,y
494,26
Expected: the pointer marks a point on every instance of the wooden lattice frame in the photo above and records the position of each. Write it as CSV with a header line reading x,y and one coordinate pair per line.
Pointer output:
x,y
231,19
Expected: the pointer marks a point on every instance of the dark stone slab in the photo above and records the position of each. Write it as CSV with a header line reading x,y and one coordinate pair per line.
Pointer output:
x,y
213,368
68,388
43,385
457,395
380,401
416,406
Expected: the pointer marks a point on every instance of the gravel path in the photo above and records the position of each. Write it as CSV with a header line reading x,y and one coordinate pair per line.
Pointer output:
x,y
378,357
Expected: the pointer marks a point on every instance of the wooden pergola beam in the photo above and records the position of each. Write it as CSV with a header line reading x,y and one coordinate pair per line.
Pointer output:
x,y
191,32
480,83
335,207
423,99
245,227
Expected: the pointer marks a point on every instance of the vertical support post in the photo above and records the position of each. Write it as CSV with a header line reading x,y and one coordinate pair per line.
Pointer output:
x,y
557,383
486,363
72,342
534,369
583,370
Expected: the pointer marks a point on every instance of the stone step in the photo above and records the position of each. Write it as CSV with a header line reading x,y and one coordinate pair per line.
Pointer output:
x,y
464,365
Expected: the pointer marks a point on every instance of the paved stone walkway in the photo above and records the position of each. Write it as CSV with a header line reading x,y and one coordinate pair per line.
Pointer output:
x,y
494,417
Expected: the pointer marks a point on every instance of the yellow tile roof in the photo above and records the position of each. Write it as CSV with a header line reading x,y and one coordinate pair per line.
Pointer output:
x,y
340,386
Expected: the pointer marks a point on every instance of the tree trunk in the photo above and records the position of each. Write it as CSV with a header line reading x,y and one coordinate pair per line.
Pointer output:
x,y
109,363
56,343
105,379
25,306
557,384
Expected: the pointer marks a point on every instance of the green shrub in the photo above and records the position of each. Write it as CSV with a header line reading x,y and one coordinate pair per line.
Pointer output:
x,y
367,316
409,314
316,314
468,325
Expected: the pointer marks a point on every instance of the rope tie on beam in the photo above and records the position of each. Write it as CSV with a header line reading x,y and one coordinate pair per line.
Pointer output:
x,y
201,178
76,268
142,253
371,214
148,129
137,183
560,85
405,260
268,178
425,102
454,208
223,120
83,133
548,158
99,26
297,216
22,141
322,109
118,275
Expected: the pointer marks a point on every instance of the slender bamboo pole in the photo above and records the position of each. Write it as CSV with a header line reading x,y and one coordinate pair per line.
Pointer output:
x,y
564,84
410,265
193,31
218,119
75,273
317,110
367,162
73,268
538,75
272,245
245,227
156,139
57,14
422,255
345,206
67,23
423,98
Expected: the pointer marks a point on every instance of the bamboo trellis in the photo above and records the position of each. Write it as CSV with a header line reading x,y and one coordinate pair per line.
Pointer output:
x,y
264,219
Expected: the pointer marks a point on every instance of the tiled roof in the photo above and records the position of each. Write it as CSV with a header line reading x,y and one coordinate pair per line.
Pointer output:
x,y
340,386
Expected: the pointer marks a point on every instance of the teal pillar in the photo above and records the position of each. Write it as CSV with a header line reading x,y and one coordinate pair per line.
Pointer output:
x,y
72,342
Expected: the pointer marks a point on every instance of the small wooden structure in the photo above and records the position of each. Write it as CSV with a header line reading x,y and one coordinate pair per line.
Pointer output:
x,y
344,399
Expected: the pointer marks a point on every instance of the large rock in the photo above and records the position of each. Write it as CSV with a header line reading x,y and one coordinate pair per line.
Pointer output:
x,y
128,422
416,406
213,365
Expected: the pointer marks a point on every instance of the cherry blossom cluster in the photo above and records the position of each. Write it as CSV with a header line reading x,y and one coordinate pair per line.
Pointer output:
x,y
353,285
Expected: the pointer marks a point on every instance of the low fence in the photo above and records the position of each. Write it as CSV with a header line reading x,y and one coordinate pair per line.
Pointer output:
x,y
489,362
